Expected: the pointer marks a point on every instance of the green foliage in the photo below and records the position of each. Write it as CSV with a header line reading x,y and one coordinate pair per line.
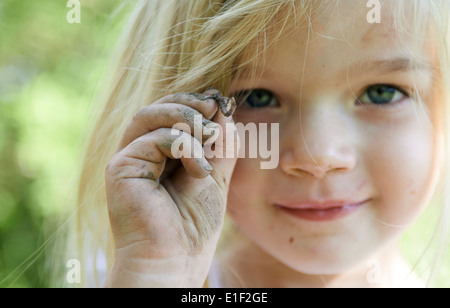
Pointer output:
x,y
49,69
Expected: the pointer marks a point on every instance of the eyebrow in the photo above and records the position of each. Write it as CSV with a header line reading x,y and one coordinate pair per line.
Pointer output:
x,y
390,66
381,66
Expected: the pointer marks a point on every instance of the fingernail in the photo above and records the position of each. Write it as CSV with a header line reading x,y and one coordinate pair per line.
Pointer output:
x,y
209,131
209,127
207,166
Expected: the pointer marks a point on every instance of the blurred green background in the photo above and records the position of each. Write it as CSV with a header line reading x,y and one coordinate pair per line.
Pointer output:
x,y
49,70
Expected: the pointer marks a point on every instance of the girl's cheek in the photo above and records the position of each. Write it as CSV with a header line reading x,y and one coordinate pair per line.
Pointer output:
x,y
399,162
244,181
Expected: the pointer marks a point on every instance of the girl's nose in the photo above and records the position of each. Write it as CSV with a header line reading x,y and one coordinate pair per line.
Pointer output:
x,y
320,141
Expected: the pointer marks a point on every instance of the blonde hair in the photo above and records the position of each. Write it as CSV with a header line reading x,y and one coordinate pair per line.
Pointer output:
x,y
171,46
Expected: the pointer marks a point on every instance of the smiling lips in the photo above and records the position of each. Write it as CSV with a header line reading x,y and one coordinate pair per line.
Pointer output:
x,y
321,211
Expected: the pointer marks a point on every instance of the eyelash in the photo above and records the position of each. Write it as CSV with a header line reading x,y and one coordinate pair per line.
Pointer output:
x,y
404,92
242,96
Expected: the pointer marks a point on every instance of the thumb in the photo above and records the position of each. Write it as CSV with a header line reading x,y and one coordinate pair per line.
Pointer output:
x,y
223,152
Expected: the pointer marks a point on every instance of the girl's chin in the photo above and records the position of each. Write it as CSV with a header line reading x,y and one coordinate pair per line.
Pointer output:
x,y
317,266
329,258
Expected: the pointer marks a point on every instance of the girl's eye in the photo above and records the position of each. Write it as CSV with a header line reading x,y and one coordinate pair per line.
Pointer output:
x,y
382,95
260,98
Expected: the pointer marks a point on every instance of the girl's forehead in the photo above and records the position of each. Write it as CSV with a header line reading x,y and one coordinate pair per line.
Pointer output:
x,y
347,26
338,39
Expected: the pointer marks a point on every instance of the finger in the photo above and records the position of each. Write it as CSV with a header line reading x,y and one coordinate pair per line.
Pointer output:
x,y
226,105
145,157
197,101
168,115
222,155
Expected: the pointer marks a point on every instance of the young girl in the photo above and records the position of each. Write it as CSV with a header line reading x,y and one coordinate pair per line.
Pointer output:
x,y
361,108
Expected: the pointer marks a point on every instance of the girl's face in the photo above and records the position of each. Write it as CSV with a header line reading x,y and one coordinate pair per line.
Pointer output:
x,y
357,150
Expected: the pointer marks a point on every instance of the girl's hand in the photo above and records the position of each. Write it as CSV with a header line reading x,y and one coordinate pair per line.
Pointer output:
x,y
166,215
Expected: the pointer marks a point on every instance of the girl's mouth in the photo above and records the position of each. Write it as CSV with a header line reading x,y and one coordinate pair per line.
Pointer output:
x,y
325,211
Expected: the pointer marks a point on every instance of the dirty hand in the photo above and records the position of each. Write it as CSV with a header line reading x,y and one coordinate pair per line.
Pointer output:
x,y
166,214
